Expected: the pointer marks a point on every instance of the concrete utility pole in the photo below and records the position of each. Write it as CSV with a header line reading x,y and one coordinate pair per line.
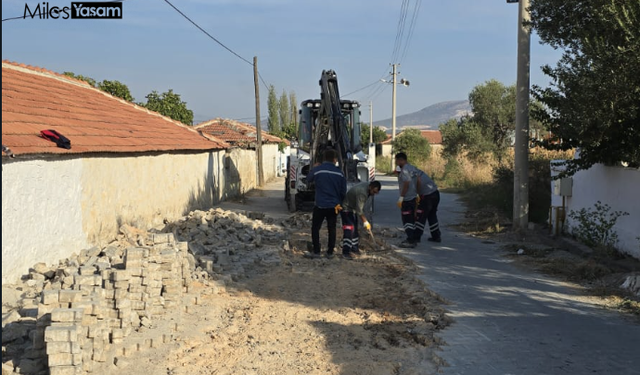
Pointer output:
x,y
370,122
258,126
521,147
394,74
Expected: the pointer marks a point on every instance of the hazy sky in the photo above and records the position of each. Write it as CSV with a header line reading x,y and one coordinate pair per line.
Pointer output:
x,y
455,45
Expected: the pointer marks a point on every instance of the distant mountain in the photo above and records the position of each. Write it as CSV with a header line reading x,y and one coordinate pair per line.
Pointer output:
x,y
429,117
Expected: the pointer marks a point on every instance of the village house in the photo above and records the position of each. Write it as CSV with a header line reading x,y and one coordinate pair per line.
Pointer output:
x,y
125,165
245,136
434,137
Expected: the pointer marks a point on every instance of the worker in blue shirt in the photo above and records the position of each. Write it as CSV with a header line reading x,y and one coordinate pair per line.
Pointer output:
x,y
331,189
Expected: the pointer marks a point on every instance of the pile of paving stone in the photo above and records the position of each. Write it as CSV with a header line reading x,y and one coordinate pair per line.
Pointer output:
x,y
73,317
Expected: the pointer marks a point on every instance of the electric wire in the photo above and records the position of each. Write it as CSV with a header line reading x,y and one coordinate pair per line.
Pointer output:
x,y
379,93
216,40
207,34
397,47
400,30
375,91
412,25
360,89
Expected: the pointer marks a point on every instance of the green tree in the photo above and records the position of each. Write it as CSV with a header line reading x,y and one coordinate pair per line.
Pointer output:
x,y
593,101
169,104
117,89
490,129
494,110
273,122
89,80
293,105
454,137
379,135
465,135
412,143
284,114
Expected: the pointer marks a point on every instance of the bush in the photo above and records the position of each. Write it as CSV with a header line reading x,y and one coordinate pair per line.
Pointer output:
x,y
412,143
490,184
462,173
383,164
452,175
594,227
435,165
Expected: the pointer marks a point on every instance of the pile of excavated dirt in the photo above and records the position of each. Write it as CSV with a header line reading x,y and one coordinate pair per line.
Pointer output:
x,y
262,307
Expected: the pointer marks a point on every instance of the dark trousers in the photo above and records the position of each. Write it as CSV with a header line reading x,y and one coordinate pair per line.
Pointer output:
x,y
319,215
427,210
409,218
350,239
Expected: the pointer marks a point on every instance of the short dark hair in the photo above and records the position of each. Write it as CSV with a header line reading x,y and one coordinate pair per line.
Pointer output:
x,y
401,156
375,184
330,155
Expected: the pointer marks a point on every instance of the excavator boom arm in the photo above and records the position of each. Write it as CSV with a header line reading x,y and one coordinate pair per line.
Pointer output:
x,y
331,130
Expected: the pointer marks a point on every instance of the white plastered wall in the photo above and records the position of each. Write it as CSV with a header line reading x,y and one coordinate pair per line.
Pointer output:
x,y
41,214
53,208
270,161
615,186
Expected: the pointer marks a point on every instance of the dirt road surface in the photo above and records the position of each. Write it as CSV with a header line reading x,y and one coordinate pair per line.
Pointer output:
x,y
302,316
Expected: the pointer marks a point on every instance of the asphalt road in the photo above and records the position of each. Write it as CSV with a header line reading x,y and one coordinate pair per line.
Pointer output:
x,y
509,321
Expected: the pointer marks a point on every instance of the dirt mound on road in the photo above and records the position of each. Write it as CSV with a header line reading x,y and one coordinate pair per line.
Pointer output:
x,y
303,316
260,306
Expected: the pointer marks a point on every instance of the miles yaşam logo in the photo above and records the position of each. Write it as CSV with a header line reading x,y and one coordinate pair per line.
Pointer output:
x,y
77,10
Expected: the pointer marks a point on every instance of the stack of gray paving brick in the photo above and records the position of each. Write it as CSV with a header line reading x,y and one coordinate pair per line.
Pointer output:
x,y
63,327
171,269
86,325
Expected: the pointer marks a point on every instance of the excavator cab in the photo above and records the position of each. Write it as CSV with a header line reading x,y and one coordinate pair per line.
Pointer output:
x,y
307,123
326,123
310,115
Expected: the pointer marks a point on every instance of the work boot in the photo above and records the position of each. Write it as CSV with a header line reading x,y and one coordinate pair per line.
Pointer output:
x,y
407,244
348,256
434,239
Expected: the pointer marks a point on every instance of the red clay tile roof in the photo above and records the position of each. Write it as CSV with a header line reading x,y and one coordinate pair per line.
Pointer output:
x,y
34,99
236,133
433,136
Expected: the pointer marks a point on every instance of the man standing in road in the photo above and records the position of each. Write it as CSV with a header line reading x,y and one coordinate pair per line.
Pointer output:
x,y
407,176
352,207
429,198
331,188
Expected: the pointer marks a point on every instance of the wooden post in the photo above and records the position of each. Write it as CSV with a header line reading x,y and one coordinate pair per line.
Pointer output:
x,y
258,126
521,146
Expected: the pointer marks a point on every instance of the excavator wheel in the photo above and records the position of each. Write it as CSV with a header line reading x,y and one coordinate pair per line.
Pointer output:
x,y
288,197
291,203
